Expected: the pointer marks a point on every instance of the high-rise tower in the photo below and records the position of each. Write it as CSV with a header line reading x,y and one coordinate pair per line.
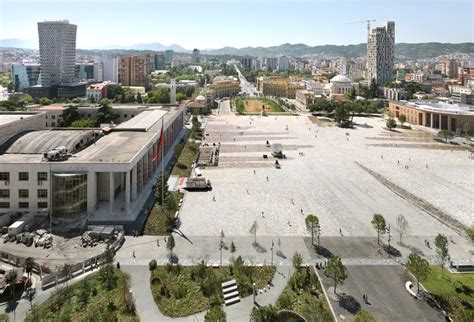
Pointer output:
x,y
57,49
381,53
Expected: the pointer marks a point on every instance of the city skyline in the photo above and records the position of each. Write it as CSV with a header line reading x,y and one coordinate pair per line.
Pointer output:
x,y
263,24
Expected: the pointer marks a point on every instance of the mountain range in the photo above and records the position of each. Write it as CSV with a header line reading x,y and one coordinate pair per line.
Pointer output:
x,y
402,50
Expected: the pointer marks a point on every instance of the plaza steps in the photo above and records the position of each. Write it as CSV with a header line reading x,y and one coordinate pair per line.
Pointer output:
x,y
230,292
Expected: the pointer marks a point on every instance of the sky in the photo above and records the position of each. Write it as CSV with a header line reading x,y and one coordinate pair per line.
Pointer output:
x,y
219,23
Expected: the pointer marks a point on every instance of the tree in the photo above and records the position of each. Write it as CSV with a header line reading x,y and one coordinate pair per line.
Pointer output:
x,y
215,314
114,90
69,116
82,123
446,135
105,113
10,279
264,314
170,244
364,316
297,260
419,267
312,226
161,95
253,230
442,251
45,101
336,271
162,192
470,234
402,224
232,249
28,266
152,265
139,98
402,119
373,89
170,204
391,123
342,115
180,97
378,221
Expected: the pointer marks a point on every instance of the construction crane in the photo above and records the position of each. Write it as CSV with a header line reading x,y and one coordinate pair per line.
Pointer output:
x,y
368,21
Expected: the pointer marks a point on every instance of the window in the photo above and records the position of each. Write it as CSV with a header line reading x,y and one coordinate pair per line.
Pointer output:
x,y
125,116
23,205
23,193
42,204
42,193
4,205
5,176
53,117
4,193
23,176
42,176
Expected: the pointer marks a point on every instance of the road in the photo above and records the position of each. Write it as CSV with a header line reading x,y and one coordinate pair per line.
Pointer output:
x,y
245,86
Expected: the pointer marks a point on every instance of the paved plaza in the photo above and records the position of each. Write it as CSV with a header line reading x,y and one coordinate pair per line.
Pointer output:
x,y
338,174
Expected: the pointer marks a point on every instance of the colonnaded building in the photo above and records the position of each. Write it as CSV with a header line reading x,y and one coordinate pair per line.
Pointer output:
x,y
74,176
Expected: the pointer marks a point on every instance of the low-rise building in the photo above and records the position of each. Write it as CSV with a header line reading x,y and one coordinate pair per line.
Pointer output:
x,y
95,92
435,115
224,86
279,86
198,105
340,85
462,94
305,97
395,94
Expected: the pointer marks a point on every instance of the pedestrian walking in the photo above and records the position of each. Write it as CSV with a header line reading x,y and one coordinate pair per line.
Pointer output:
x,y
340,231
301,211
263,215
254,172
133,254
213,198
158,242
267,178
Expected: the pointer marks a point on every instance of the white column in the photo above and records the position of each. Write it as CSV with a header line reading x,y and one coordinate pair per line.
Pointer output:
x,y
439,121
127,191
424,118
111,191
134,183
432,119
449,123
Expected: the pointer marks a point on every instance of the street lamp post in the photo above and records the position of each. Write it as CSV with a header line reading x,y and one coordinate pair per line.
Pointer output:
x,y
220,249
272,251
253,287
389,239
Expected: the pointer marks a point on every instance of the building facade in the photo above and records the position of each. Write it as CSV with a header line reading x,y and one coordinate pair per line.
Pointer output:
x,y
381,53
271,63
134,70
449,67
24,75
283,64
57,50
84,71
223,86
196,57
394,94
111,69
279,86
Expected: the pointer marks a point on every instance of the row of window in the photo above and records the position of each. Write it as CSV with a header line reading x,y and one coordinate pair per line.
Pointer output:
x,y
24,193
24,176
23,205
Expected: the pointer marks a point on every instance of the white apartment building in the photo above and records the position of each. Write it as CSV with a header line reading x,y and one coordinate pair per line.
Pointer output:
x,y
283,64
381,53
314,86
57,49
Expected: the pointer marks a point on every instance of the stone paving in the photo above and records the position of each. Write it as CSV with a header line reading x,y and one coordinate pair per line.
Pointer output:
x,y
321,176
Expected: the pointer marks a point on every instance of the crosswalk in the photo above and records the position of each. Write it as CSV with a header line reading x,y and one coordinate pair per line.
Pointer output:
x,y
230,292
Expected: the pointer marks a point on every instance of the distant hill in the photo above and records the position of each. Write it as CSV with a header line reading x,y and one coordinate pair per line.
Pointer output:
x,y
18,43
420,50
155,46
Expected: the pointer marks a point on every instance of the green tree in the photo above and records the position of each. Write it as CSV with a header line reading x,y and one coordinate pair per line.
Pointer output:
x,y
364,316
297,260
215,314
105,113
336,271
114,90
69,116
170,244
180,97
378,221
342,115
152,265
83,122
446,135
402,119
10,279
391,123
139,98
470,234
419,267
45,101
161,95
232,249
264,314
253,230
442,251
374,90
28,266
312,226
162,191
170,204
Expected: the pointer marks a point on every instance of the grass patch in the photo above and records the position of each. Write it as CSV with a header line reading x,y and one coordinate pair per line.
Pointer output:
x,y
455,292
3,317
187,155
254,106
304,295
181,291
101,296
158,221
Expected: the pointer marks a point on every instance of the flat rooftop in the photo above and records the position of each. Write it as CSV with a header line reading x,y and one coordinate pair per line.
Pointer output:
x,y
13,117
143,121
441,107
54,107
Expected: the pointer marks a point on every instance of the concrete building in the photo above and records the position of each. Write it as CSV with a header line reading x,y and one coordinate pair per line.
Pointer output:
x,y
283,64
99,71
381,53
271,63
449,67
24,75
198,106
111,69
134,70
53,114
124,112
465,74
247,62
305,97
394,94
196,57
223,86
314,86
96,92
279,86
435,115
169,56
84,71
57,50
462,94
105,177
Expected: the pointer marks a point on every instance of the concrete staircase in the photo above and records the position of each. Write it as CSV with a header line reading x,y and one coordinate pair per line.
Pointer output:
x,y
230,292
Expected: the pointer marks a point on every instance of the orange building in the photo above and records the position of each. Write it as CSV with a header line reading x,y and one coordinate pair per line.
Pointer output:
x,y
134,70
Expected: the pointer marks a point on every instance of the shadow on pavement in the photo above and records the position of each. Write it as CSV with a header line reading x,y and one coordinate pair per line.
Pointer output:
x,y
349,303
259,248
322,251
392,251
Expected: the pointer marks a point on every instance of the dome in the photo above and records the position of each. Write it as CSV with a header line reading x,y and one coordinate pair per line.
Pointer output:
x,y
200,98
340,78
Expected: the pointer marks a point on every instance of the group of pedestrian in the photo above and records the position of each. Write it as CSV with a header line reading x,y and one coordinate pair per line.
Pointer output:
x,y
134,233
